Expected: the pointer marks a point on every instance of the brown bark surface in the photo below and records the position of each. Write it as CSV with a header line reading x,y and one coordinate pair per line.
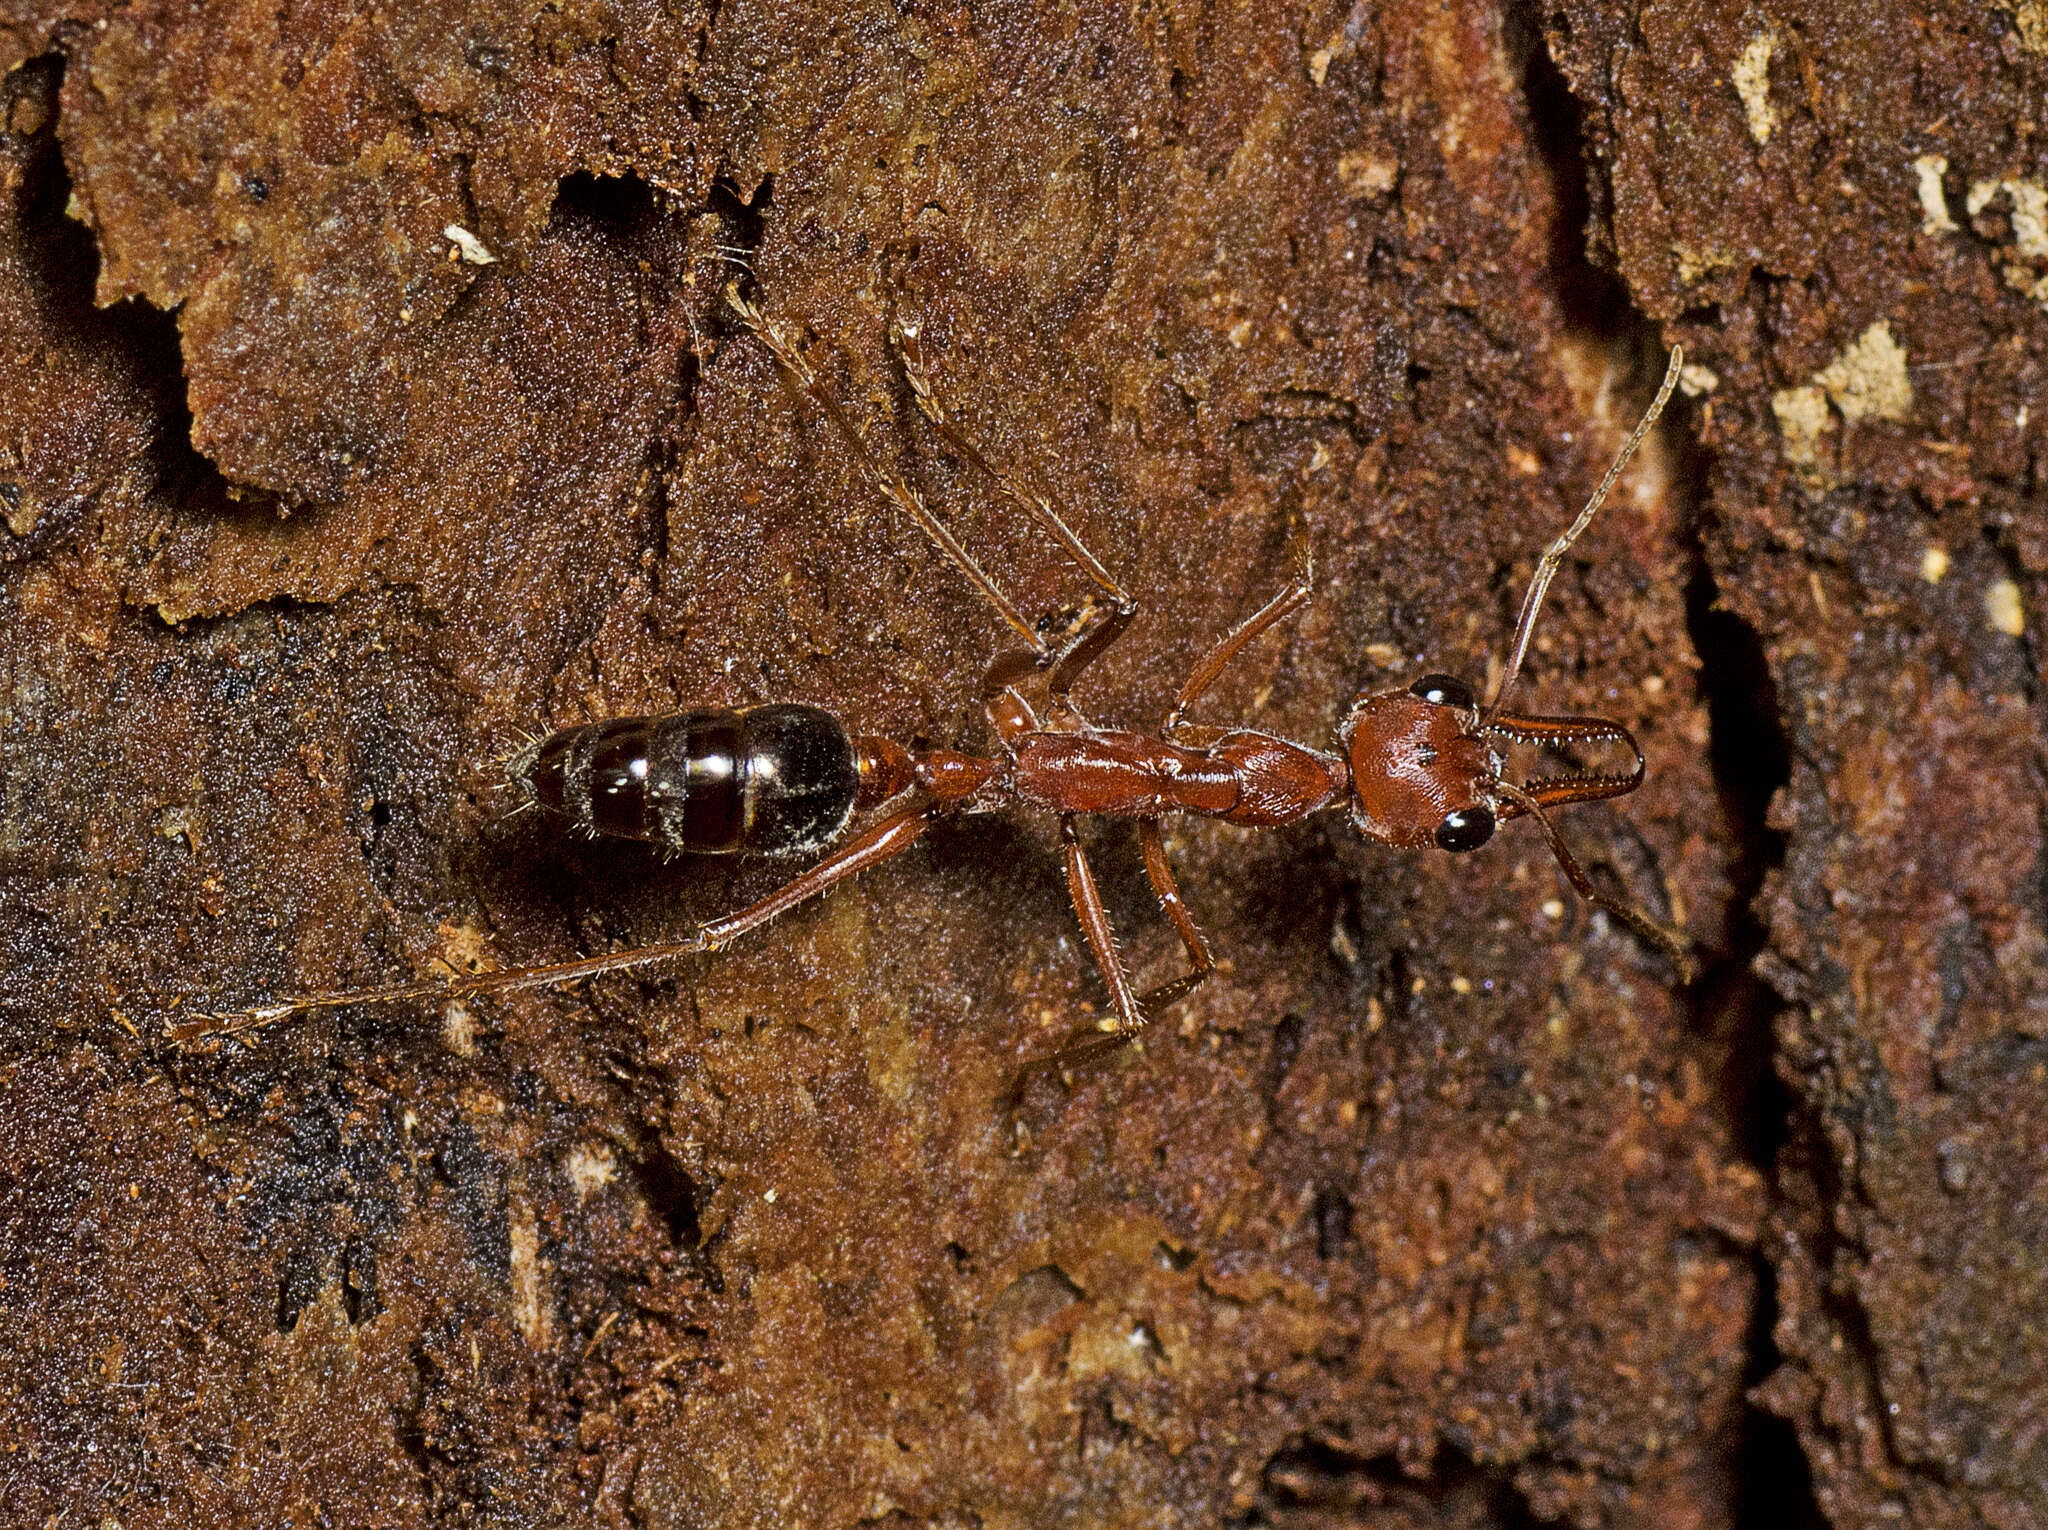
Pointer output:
x,y
1434,1208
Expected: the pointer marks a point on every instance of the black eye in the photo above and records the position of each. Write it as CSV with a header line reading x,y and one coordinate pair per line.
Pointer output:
x,y
1467,829
1443,691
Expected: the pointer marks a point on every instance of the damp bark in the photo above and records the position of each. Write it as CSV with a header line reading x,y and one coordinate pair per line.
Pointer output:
x,y
369,405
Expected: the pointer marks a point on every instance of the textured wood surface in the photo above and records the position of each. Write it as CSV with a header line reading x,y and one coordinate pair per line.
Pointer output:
x,y
367,403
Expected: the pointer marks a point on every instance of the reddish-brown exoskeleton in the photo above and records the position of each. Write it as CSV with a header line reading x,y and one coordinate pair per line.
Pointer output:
x,y
1417,766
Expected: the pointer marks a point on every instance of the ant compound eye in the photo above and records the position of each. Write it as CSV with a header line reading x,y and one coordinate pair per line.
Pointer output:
x,y
1466,829
1443,691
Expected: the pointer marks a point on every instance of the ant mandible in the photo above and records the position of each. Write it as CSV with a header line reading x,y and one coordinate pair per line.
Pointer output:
x,y
1421,765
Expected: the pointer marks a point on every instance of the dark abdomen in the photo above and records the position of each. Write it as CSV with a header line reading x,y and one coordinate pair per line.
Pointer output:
x,y
774,780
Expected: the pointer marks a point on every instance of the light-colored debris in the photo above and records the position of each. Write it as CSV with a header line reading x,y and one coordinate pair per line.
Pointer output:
x,y
1370,174
458,1029
1933,562
1339,43
1934,218
2004,609
1867,381
1802,417
2028,252
472,249
1751,78
532,1300
590,1167
1869,378
1694,264
1696,381
2031,18
2029,211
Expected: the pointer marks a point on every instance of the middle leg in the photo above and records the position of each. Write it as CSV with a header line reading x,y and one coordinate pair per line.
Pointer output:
x,y
1095,929
1093,1044
1281,606
1200,962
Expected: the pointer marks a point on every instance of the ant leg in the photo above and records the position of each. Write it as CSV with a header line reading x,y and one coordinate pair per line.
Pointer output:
x,y
1009,715
999,693
1089,644
1281,606
1033,503
1102,629
889,837
893,485
1094,1042
1673,943
1130,1018
1200,962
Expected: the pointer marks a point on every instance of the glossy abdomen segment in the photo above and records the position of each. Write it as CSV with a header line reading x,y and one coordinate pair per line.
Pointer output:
x,y
774,780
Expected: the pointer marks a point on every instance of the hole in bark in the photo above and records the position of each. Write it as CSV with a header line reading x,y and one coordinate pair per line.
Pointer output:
x,y
1751,760
359,1297
1594,299
1332,1212
675,1197
621,205
1322,1477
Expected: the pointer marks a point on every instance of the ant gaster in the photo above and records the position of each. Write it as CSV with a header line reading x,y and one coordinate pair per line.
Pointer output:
x,y
1416,767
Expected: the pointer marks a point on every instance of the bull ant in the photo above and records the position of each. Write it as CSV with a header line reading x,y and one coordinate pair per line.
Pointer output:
x,y
1415,767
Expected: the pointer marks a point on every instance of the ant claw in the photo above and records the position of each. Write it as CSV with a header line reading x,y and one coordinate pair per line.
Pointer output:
x,y
1084,1048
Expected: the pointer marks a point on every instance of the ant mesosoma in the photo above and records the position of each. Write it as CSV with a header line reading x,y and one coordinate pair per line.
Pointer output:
x,y
1421,765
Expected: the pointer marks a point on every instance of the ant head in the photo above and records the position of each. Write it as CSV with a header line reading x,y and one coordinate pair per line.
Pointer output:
x,y
1424,764
1423,767
1422,772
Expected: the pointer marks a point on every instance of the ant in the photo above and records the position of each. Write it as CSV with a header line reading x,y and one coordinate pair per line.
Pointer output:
x,y
1415,767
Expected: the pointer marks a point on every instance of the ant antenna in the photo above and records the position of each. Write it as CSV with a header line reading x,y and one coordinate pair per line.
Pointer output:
x,y
1553,556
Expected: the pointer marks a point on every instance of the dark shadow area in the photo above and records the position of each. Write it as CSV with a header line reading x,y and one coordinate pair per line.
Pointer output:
x,y
1751,758
745,218
1316,1481
63,263
620,206
1731,1008
674,1196
1593,297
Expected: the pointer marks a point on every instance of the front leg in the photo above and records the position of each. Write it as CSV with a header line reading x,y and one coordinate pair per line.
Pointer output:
x,y
1281,606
